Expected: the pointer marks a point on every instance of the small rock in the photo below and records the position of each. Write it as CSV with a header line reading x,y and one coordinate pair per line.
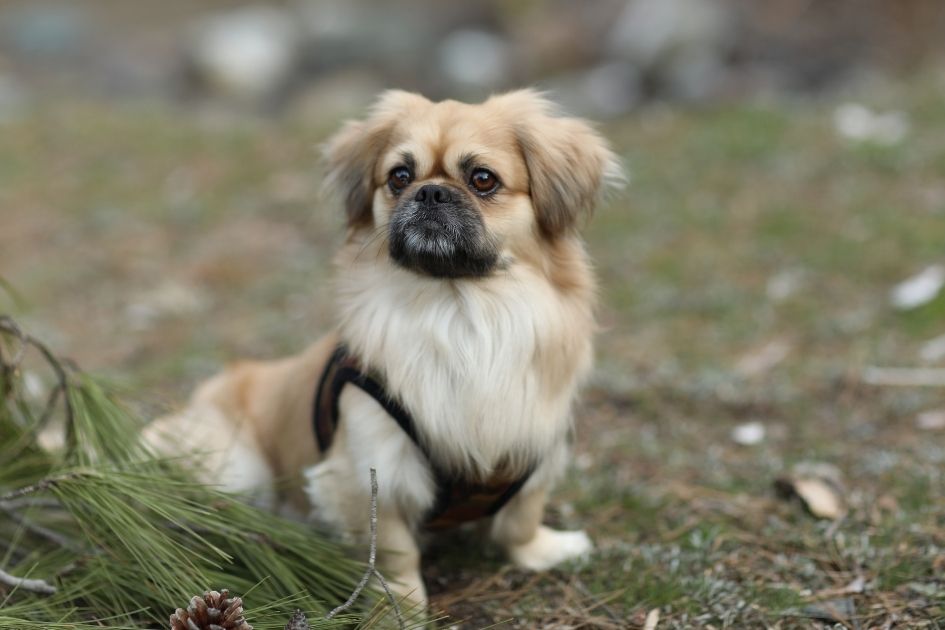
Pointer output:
x,y
46,29
247,54
13,99
932,420
920,289
933,350
762,360
605,91
34,386
831,611
475,58
857,122
682,44
749,434
783,285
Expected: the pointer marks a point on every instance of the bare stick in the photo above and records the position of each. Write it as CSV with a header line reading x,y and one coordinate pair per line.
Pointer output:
x,y
39,486
34,586
371,568
9,326
44,532
904,377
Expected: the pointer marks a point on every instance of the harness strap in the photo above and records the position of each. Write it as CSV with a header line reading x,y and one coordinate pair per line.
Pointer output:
x,y
458,500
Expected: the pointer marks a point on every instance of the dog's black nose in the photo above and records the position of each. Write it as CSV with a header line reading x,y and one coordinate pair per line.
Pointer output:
x,y
432,194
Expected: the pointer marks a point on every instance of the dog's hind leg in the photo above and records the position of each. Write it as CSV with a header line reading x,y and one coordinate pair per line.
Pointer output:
x,y
219,450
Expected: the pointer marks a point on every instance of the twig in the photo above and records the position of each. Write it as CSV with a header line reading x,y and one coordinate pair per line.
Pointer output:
x,y
34,586
39,486
904,377
44,532
371,568
34,502
9,326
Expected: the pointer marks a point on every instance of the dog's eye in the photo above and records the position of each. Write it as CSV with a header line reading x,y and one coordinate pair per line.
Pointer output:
x,y
399,179
483,181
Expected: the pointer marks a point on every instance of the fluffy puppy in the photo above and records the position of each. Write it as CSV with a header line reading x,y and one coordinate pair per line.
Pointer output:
x,y
463,288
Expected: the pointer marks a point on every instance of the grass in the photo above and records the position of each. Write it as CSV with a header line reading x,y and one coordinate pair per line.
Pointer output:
x,y
743,228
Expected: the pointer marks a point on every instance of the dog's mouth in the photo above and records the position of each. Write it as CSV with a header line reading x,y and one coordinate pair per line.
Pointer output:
x,y
443,241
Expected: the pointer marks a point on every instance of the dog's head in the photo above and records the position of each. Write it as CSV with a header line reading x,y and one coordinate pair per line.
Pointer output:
x,y
459,190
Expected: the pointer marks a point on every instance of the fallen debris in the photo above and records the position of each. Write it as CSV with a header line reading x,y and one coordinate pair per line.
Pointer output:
x,y
918,290
652,618
818,486
931,420
749,433
904,377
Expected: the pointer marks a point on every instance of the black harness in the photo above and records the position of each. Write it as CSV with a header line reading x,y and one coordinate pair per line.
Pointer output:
x,y
458,500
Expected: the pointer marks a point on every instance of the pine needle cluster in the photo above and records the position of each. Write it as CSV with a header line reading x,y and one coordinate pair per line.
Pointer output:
x,y
101,533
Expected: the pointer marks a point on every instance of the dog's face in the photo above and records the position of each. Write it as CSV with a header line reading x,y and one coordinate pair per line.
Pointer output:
x,y
462,190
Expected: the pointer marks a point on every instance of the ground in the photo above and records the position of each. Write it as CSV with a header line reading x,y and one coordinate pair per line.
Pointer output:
x,y
745,277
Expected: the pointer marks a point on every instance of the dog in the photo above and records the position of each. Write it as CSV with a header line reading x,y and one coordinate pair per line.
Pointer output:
x,y
465,316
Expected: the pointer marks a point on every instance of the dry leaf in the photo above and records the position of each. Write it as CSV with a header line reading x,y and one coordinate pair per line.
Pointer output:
x,y
819,497
920,289
761,360
652,618
819,487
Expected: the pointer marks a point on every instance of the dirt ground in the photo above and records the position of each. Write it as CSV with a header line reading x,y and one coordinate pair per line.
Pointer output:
x,y
746,275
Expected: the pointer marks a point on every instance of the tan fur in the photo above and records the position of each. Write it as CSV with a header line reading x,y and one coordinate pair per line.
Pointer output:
x,y
489,366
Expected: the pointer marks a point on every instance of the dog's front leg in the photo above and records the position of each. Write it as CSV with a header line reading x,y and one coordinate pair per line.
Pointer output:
x,y
399,557
531,545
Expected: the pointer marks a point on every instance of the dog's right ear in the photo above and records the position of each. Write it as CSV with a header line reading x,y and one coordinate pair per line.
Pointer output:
x,y
352,155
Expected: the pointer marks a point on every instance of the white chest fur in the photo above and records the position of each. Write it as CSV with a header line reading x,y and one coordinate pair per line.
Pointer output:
x,y
487,367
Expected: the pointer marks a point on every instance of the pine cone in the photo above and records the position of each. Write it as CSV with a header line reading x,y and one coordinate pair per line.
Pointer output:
x,y
214,611
298,622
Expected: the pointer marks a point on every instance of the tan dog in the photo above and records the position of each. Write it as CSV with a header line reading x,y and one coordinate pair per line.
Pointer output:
x,y
465,291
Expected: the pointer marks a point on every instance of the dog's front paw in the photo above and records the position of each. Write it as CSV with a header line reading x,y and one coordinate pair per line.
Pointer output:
x,y
550,547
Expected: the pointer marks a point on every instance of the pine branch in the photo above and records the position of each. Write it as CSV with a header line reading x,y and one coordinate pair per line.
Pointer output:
x,y
34,586
371,568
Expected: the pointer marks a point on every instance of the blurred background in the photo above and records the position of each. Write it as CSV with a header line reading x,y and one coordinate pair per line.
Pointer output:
x,y
314,57
772,276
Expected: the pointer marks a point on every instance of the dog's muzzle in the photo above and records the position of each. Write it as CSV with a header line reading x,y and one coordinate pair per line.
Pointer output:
x,y
438,232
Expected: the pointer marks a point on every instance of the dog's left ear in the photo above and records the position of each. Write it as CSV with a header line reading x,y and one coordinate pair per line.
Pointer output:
x,y
352,154
569,164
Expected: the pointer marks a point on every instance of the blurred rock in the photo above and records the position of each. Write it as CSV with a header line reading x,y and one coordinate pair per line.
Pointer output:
x,y
761,360
13,98
857,122
748,434
932,420
933,350
247,55
42,29
606,91
680,45
475,58
784,284
395,39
